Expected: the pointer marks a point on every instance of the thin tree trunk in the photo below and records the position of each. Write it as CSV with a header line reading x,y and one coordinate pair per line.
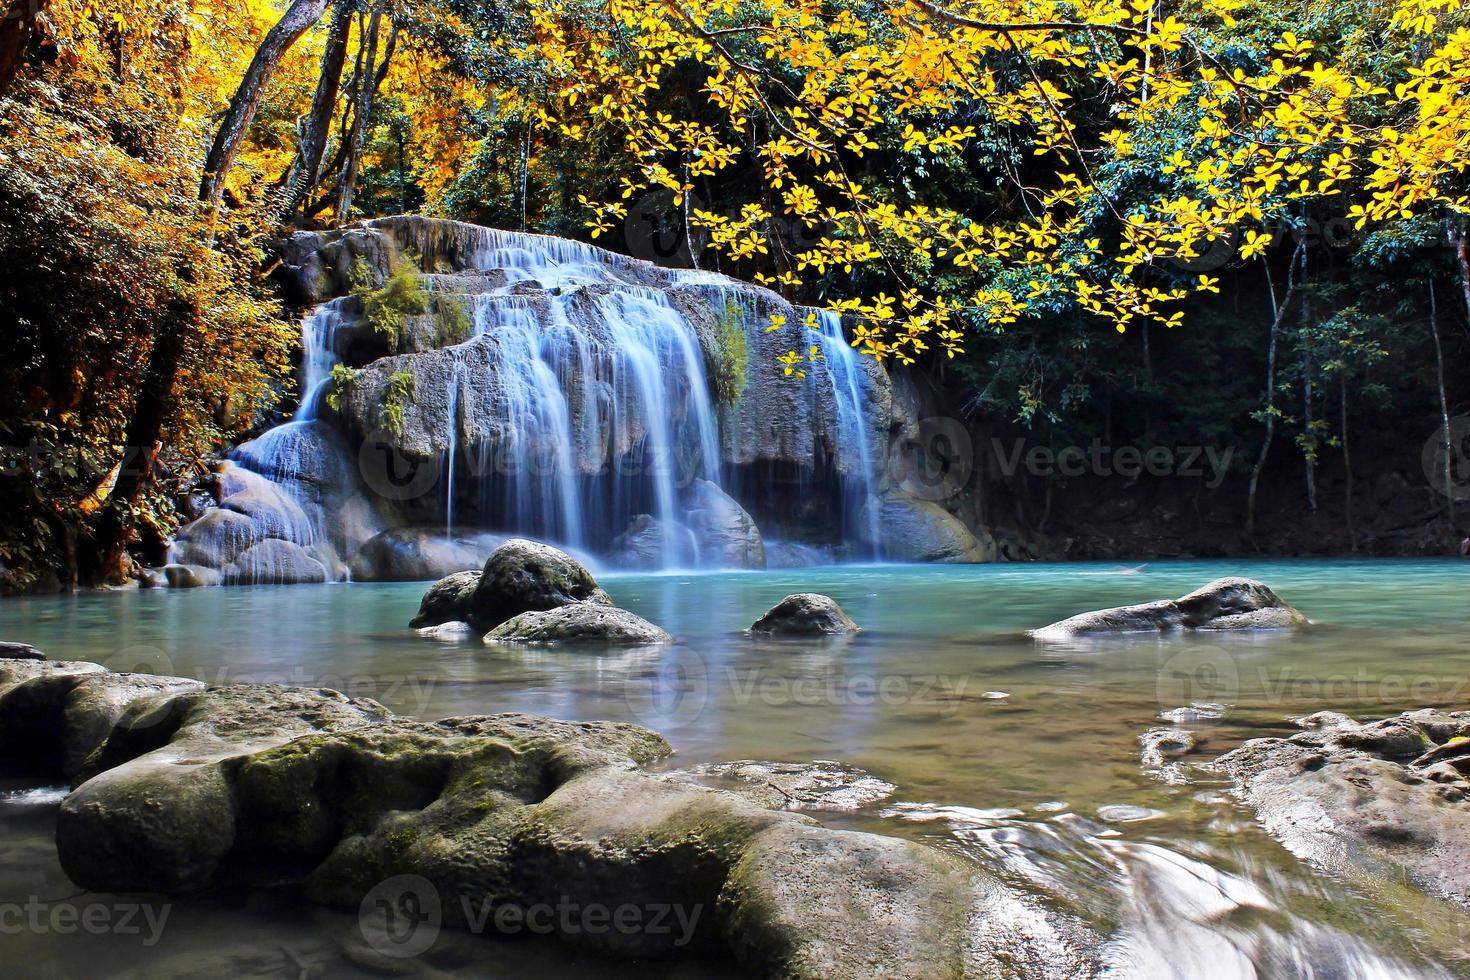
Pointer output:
x,y
297,20
1347,461
1278,313
1309,411
1444,405
17,31
1464,257
362,113
312,146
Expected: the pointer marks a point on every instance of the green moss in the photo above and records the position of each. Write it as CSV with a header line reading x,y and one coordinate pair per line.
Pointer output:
x,y
339,384
451,322
728,375
385,306
397,396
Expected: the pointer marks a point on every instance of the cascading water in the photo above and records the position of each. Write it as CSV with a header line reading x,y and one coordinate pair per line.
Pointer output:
x,y
844,377
578,411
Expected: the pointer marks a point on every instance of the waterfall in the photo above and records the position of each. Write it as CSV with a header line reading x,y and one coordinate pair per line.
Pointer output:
x,y
579,404
452,437
843,372
318,355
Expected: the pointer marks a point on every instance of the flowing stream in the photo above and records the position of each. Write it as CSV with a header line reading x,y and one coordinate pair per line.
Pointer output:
x,y
1021,758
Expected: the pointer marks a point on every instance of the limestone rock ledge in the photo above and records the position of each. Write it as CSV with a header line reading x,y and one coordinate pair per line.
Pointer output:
x,y
179,788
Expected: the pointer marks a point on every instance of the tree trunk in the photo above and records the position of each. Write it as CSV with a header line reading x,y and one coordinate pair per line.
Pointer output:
x,y
1444,405
1464,257
17,31
312,147
143,442
362,112
297,20
1278,313
1347,462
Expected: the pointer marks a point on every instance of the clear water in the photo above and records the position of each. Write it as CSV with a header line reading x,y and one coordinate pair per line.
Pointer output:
x,y
1043,786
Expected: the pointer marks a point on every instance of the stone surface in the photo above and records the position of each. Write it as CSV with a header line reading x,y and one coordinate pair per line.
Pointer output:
x,y
578,622
492,815
524,576
805,614
1389,798
447,601
1224,604
19,651
649,543
916,530
725,535
419,554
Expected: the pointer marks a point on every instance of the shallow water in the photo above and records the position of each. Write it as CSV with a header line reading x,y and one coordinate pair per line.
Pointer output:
x,y
1021,757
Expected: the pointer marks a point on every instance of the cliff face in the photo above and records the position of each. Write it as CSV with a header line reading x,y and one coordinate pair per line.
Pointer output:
x,y
549,388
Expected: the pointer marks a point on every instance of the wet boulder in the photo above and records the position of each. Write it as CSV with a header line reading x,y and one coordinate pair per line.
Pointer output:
x,y
524,576
650,543
805,614
447,601
578,622
914,530
1386,799
725,535
155,809
1224,604
19,651
417,554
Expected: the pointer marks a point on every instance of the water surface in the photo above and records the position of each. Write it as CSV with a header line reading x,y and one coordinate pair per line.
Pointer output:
x,y
1023,758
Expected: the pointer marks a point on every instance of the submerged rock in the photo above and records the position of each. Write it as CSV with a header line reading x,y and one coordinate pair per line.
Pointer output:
x,y
493,817
1390,798
820,785
1224,604
578,622
805,614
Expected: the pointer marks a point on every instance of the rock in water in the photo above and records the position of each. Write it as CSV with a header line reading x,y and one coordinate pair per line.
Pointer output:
x,y
523,576
805,614
584,622
649,543
19,651
724,533
1390,798
492,814
520,576
917,530
1224,604
447,601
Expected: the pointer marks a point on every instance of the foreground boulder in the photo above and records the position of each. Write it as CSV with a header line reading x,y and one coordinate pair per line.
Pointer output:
x,y
1224,604
586,622
805,614
519,576
501,817
1390,798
